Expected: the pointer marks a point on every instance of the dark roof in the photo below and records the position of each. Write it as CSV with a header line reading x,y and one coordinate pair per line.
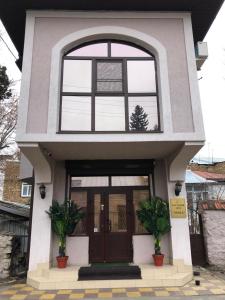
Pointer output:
x,y
15,209
12,12
206,160
210,175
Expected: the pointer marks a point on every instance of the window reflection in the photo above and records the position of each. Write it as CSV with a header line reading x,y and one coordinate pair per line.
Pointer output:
x,y
143,113
97,50
122,50
89,181
129,180
76,113
77,76
109,114
141,77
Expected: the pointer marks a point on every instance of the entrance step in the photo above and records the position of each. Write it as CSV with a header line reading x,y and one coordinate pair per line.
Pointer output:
x,y
151,276
109,272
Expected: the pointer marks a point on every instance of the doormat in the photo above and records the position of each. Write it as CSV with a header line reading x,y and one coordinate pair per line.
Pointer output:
x,y
111,271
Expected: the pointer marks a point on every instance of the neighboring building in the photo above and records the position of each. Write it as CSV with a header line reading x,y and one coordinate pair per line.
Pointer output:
x,y
3,159
109,114
15,190
215,165
202,186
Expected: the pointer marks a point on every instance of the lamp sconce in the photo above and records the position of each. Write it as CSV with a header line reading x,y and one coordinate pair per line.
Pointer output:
x,y
178,187
42,190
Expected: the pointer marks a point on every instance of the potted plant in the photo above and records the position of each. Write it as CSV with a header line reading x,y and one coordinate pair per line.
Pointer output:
x,y
64,218
154,216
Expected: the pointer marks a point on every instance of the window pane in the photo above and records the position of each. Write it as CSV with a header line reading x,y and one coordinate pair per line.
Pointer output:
x,y
122,50
29,190
95,50
143,113
24,190
77,76
139,196
80,198
141,77
109,114
97,212
129,180
109,77
117,213
76,113
89,181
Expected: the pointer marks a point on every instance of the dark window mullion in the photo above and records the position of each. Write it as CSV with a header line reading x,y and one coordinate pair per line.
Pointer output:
x,y
110,94
109,49
142,94
75,94
61,96
93,89
125,89
157,95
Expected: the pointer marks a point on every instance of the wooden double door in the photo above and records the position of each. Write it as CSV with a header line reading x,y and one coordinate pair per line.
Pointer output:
x,y
110,226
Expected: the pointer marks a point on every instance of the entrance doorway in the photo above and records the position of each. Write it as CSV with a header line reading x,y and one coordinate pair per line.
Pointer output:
x,y
110,204
110,226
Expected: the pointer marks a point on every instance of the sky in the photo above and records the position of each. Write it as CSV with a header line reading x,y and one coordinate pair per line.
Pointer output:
x,y
211,84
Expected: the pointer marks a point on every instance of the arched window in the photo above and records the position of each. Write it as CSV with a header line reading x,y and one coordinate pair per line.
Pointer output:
x,y
109,86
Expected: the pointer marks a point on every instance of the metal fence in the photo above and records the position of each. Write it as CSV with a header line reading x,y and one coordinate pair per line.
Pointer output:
x,y
19,229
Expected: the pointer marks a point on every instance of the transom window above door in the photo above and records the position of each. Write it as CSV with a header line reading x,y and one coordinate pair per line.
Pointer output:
x,y
109,86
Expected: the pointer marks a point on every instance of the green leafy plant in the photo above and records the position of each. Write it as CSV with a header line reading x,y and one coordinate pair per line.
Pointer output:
x,y
154,216
64,218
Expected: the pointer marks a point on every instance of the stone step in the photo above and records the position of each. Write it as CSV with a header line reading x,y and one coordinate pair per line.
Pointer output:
x,y
152,276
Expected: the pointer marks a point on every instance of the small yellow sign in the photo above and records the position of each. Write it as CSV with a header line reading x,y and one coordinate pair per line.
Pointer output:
x,y
178,207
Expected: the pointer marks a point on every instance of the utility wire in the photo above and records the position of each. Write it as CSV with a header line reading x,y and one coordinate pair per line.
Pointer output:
x,y
8,47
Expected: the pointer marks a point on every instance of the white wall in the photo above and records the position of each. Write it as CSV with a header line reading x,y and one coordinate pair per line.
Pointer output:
x,y
143,248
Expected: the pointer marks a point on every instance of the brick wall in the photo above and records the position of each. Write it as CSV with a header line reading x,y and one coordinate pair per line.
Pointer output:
x,y
12,183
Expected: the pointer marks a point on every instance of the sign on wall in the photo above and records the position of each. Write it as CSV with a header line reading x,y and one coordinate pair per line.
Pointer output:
x,y
178,207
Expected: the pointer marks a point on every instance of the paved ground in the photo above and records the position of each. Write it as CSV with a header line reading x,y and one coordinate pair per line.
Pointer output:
x,y
211,286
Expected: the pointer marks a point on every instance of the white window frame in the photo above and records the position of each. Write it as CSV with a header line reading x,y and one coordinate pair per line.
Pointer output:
x,y
29,189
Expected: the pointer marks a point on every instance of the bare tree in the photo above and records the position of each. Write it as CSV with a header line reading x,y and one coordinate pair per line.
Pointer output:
x,y
8,111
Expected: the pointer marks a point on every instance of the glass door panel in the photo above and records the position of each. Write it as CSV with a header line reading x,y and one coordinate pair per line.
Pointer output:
x,y
117,213
97,212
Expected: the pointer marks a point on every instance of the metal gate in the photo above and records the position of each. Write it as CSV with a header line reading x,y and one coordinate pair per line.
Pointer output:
x,y
196,237
18,228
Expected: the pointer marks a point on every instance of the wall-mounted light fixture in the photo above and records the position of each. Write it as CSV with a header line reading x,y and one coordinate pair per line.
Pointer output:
x,y
42,190
178,187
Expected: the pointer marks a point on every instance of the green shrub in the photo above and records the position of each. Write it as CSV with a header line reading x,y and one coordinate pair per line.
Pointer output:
x,y
64,218
155,217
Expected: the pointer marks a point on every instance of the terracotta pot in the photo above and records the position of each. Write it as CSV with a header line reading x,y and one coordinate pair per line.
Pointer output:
x,y
158,259
62,261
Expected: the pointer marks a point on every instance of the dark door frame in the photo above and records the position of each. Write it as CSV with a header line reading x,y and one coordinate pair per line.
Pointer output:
x,y
105,192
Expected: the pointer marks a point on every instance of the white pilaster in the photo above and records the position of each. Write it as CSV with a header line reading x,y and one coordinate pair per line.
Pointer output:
x,y
180,238
40,246
41,233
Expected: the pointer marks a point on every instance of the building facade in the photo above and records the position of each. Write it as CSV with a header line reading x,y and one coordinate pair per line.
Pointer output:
x,y
109,115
